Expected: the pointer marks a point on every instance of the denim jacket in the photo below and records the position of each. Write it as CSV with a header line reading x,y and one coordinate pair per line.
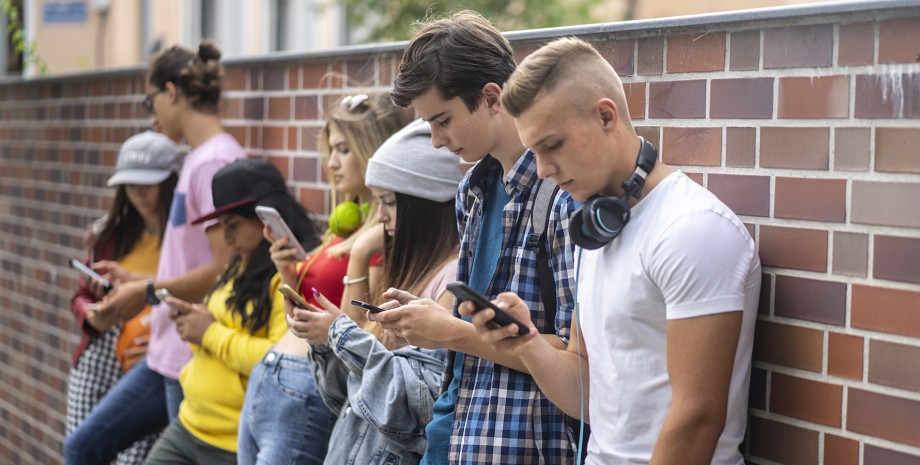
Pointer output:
x,y
384,398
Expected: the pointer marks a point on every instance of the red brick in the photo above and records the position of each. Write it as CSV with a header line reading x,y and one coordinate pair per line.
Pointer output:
x,y
783,443
811,199
745,195
360,73
805,399
885,203
279,108
840,451
312,76
811,299
800,249
651,55
677,99
851,254
306,169
306,107
798,46
620,54
386,70
692,146
234,79
885,310
895,365
273,138
887,95
845,356
857,44
851,149
883,416
796,148
283,164
789,346
814,97
696,52
294,74
896,150
274,77
874,455
292,144
254,108
740,147
897,41
741,98
635,99
745,51
314,200
897,259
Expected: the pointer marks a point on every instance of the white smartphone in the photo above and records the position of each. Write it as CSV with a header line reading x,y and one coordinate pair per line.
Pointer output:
x,y
90,273
271,218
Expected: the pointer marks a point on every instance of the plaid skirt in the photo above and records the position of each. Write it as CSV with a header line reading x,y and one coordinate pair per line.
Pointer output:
x,y
96,372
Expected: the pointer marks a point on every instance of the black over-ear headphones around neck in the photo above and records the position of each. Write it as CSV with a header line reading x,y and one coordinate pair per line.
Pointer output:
x,y
602,218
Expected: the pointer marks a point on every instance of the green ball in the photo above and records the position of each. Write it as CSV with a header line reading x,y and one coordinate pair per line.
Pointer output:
x,y
345,219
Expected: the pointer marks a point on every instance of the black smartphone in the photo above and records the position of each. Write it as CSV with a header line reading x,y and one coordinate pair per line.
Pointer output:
x,y
366,306
90,273
502,318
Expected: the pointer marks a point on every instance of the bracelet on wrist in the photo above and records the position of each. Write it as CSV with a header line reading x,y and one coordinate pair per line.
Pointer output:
x,y
347,281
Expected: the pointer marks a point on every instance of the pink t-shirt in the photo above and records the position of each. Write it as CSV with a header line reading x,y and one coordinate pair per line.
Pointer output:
x,y
438,283
185,247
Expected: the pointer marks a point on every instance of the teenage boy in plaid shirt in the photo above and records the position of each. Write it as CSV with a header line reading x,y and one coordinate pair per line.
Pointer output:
x,y
491,410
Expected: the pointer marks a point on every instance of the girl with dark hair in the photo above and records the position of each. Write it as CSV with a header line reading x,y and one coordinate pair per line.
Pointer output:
x,y
185,87
129,235
355,127
240,319
381,387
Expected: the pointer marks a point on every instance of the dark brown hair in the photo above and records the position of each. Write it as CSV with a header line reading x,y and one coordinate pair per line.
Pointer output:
x,y
196,75
124,225
426,235
458,55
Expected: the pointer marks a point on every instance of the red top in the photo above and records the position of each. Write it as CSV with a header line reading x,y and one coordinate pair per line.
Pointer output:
x,y
325,273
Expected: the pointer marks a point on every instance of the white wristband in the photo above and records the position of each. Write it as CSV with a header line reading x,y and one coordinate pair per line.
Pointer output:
x,y
347,281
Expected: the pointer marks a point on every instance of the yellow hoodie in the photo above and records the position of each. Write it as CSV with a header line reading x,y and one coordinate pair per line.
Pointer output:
x,y
214,380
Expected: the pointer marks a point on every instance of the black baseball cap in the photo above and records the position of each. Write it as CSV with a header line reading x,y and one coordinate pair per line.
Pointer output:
x,y
241,183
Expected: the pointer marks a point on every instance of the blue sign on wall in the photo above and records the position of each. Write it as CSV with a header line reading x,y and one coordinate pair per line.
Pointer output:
x,y
64,12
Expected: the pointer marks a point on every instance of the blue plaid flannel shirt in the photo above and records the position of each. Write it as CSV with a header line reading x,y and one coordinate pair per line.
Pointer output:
x,y
501,416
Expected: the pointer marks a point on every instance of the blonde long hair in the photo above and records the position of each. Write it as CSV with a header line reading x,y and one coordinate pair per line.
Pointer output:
x,y
366,121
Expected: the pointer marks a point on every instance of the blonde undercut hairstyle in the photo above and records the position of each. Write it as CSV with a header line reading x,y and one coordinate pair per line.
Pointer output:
x,y
542,71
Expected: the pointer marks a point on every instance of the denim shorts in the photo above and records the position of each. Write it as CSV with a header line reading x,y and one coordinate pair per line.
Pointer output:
x,y
284,418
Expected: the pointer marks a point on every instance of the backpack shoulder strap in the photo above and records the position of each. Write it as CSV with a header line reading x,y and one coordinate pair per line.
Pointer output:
x,y
542,208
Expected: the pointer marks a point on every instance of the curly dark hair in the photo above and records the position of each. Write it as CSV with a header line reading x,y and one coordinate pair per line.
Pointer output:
x,y
252,278
196,75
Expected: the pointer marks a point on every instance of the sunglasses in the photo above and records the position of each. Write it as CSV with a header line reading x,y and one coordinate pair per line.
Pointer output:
x,y
147,103
355,102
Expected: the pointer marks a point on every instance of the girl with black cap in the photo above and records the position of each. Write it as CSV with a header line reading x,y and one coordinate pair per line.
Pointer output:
x,y
240,319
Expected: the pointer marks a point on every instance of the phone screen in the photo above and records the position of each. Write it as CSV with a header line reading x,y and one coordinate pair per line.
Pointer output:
x,y
502,318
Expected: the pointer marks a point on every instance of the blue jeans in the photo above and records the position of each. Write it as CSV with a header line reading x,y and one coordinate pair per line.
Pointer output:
x,y
284,418
134,408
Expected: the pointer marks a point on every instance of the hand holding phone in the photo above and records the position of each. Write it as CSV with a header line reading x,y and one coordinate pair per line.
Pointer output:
x,y
501,318
294,297
90,273
271,218
366,306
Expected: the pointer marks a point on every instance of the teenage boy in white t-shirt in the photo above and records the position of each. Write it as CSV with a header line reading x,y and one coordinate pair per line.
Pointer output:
x,y
666,312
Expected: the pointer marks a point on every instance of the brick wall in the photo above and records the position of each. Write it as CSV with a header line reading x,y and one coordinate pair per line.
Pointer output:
x,y
806,121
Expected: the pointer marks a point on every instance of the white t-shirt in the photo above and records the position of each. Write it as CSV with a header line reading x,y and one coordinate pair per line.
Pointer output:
x,y
683,254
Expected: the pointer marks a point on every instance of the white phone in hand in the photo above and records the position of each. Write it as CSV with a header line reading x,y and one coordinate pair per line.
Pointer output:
x,y
271,218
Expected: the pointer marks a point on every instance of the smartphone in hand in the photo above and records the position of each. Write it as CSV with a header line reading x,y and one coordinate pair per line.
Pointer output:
x,y
271,218
162,294
294,296
502,318
90,273
366,306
